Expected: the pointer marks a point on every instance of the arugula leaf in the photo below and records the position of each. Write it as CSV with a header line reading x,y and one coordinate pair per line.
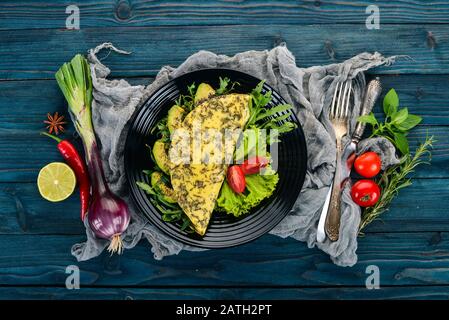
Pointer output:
x,y
224,86
146,187
391,102
171,212
191,89
259,112
271,112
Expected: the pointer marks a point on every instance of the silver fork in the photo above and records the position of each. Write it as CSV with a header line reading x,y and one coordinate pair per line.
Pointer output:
x,y
339,114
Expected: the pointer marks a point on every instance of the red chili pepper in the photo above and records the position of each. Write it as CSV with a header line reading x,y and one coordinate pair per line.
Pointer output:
x,y
76,162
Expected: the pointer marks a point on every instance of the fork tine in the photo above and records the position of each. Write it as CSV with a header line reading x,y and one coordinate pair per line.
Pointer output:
x,y
341,100
338,102
344,99
347,100
334,99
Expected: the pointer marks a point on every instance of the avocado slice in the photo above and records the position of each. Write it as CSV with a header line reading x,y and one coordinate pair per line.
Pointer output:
x,y
175,116
204,92
158,184
160,155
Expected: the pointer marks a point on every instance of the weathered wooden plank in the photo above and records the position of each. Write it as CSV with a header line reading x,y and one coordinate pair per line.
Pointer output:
x,y
154,47
51,14
352,293
24,211
403,259
23,107
425,95
24,152
420,207
23,104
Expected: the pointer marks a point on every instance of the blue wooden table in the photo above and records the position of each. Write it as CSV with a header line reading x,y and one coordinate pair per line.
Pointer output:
x,y
410,246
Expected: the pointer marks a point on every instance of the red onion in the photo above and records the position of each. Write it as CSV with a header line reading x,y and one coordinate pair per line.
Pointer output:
x,y
108,215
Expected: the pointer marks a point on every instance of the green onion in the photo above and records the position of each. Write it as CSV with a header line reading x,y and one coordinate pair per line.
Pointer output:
x,y
108,215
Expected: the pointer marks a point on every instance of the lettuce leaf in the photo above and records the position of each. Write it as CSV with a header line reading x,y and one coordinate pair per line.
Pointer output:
x,y
258,187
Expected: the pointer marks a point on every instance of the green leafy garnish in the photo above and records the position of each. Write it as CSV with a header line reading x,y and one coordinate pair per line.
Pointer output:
x,y
266,118
171,212
187,101
224,86
397,122
258,187
161,130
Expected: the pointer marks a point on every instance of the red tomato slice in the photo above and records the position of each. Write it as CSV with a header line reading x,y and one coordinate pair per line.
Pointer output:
x,y
236,179
253,165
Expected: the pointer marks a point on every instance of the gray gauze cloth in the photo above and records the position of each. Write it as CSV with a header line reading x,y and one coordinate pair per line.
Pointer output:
x,y
309,90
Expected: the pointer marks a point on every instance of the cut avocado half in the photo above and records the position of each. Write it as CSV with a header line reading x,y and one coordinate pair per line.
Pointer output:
x,y
204,92
175,116
160,155
158,184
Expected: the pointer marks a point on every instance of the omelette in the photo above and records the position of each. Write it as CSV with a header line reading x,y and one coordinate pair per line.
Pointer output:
x,y
198,173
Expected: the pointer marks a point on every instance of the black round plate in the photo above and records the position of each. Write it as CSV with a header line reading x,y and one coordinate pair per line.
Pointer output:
x,y
224,230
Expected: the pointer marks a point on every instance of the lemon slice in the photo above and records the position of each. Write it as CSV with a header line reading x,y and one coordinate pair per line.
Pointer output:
x,y
56,181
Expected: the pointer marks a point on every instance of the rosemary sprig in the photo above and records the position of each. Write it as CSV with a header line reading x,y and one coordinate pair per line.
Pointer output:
x,y
396,178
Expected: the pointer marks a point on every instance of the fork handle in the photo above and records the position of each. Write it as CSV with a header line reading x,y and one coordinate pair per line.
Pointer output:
x,y
332,225
373,91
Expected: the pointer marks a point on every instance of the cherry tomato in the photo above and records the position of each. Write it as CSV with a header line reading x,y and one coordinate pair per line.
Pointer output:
x,y
253,165
236,179
365,193
368,164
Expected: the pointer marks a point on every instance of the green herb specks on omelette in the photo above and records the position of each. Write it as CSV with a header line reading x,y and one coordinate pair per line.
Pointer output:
x,y
197,183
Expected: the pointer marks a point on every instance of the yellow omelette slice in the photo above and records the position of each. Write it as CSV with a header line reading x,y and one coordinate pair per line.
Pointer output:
x,y
197,175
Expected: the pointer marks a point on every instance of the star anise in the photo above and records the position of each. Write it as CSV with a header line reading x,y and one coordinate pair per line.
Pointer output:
x,y
55,123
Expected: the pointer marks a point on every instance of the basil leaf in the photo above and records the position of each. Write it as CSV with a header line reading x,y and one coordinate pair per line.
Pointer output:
x,y
391,102
368,118
399,117
401,142
409,123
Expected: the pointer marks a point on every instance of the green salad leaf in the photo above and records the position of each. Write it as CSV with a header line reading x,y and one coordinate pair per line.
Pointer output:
x,y
258,187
